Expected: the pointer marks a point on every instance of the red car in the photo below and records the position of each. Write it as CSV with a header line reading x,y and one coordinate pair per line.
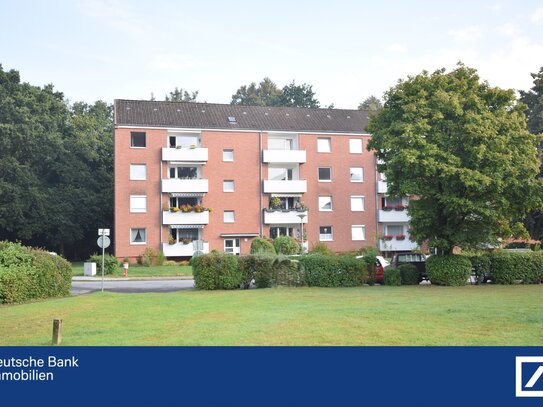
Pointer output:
x,y
380,264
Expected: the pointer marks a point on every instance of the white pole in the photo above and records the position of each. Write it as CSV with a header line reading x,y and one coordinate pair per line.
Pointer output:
x,y
103,253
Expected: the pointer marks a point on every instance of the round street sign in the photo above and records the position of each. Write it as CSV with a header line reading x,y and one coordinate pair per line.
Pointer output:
x,y
103,242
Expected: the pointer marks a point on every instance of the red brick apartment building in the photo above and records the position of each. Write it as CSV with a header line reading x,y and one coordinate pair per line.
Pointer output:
x,y
193,177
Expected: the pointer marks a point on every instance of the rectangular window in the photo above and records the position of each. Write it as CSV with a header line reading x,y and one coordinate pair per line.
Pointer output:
x,y
324,145
325,174
280,174
138,236
394,230
355,146
357,174
229,217
137,139
228,186
138,203
228,155
138,172
326,233
232,246
279,143
325,203
358,232
357,203
184,172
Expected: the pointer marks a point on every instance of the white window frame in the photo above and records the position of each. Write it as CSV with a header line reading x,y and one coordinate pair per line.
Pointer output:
x,y
322,202
324,180
224,216
134,208
355,146
138,243
351,174
331,234
362,198
358,238
132,177
322,148
226,185
225,153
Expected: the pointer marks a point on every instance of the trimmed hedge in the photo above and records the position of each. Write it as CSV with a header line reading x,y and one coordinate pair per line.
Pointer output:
x,y
27,273
261,245
270,271
453,270
511,268
409,274
333,271
110,263
392,277
216,271
286,245
480,264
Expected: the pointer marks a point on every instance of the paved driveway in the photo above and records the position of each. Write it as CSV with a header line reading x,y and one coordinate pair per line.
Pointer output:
x,y
131,286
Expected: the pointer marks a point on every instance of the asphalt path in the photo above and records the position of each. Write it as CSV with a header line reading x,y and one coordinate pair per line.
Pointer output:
x,y
132,286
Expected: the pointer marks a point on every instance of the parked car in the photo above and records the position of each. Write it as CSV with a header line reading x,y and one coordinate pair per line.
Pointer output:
x,y
380,264
417,259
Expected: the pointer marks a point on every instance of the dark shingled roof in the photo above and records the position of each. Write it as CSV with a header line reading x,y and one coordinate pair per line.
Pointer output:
x,y
216,116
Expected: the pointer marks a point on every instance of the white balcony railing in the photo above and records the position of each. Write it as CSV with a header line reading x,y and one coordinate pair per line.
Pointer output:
x,y
393,216
185,185
280,217
185,154
382,187
182,250
284,156
289,187
185,218
395,245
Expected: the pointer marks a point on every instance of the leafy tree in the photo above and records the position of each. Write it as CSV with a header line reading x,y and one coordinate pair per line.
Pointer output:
x,y
265,94
298,96
181,95
371,103
462,148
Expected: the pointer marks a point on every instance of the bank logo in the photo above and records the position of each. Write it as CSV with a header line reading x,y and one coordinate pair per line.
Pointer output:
x,y
529,376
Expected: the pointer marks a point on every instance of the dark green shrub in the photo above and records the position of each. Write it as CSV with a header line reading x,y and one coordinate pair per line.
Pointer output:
x,y
452,270
511,267
255,267
370,260
480,264
392,277
409,274
216,271
110,263
271,271
286,245
288,272
333,271
536,276
261,245
160,258
27,273
321,248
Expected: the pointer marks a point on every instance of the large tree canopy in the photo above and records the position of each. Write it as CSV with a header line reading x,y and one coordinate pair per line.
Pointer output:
x,y
462,149
534,99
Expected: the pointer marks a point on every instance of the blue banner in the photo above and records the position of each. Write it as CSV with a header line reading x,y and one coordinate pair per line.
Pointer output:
x,y
271,376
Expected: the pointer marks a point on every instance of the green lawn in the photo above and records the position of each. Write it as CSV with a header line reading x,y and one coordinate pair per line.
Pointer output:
x,y
416,315
138,271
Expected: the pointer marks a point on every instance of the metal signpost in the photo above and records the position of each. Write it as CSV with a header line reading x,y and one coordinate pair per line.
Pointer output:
x,y
103,242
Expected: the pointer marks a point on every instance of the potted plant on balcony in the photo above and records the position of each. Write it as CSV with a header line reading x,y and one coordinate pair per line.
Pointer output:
x,y
399,207
388,207
300,206
400,237
198,208
275,203
185,240
171,240
185,208
174,209
387,237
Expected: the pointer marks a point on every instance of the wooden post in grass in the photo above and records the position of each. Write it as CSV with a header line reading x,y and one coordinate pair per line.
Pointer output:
x,y
57,331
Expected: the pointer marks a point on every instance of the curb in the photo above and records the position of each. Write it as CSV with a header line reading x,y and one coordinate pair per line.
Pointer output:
x,y
98,279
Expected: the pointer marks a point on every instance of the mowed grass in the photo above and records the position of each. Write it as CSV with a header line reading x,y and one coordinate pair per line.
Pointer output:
x,y
416,315
138,271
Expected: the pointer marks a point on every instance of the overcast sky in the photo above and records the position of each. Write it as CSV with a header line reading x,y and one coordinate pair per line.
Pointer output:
x,y
348,50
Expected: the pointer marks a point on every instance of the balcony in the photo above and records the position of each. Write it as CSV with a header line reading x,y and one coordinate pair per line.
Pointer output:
x,y
284,156
193,155
285,187
397,245
286,217
382,187
185,218
393,216
185,185
182,250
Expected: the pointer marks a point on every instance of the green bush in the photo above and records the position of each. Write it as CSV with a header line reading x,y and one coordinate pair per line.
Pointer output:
x,y
392,277
110,263
160,258
321,248
27,273
216,271
270,271
480,264
261,245
286,245
511,267
409,274
333,271
452,270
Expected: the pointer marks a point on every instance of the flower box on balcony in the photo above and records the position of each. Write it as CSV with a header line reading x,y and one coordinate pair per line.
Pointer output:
x,y
387,237
399,207
387,208
400,237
